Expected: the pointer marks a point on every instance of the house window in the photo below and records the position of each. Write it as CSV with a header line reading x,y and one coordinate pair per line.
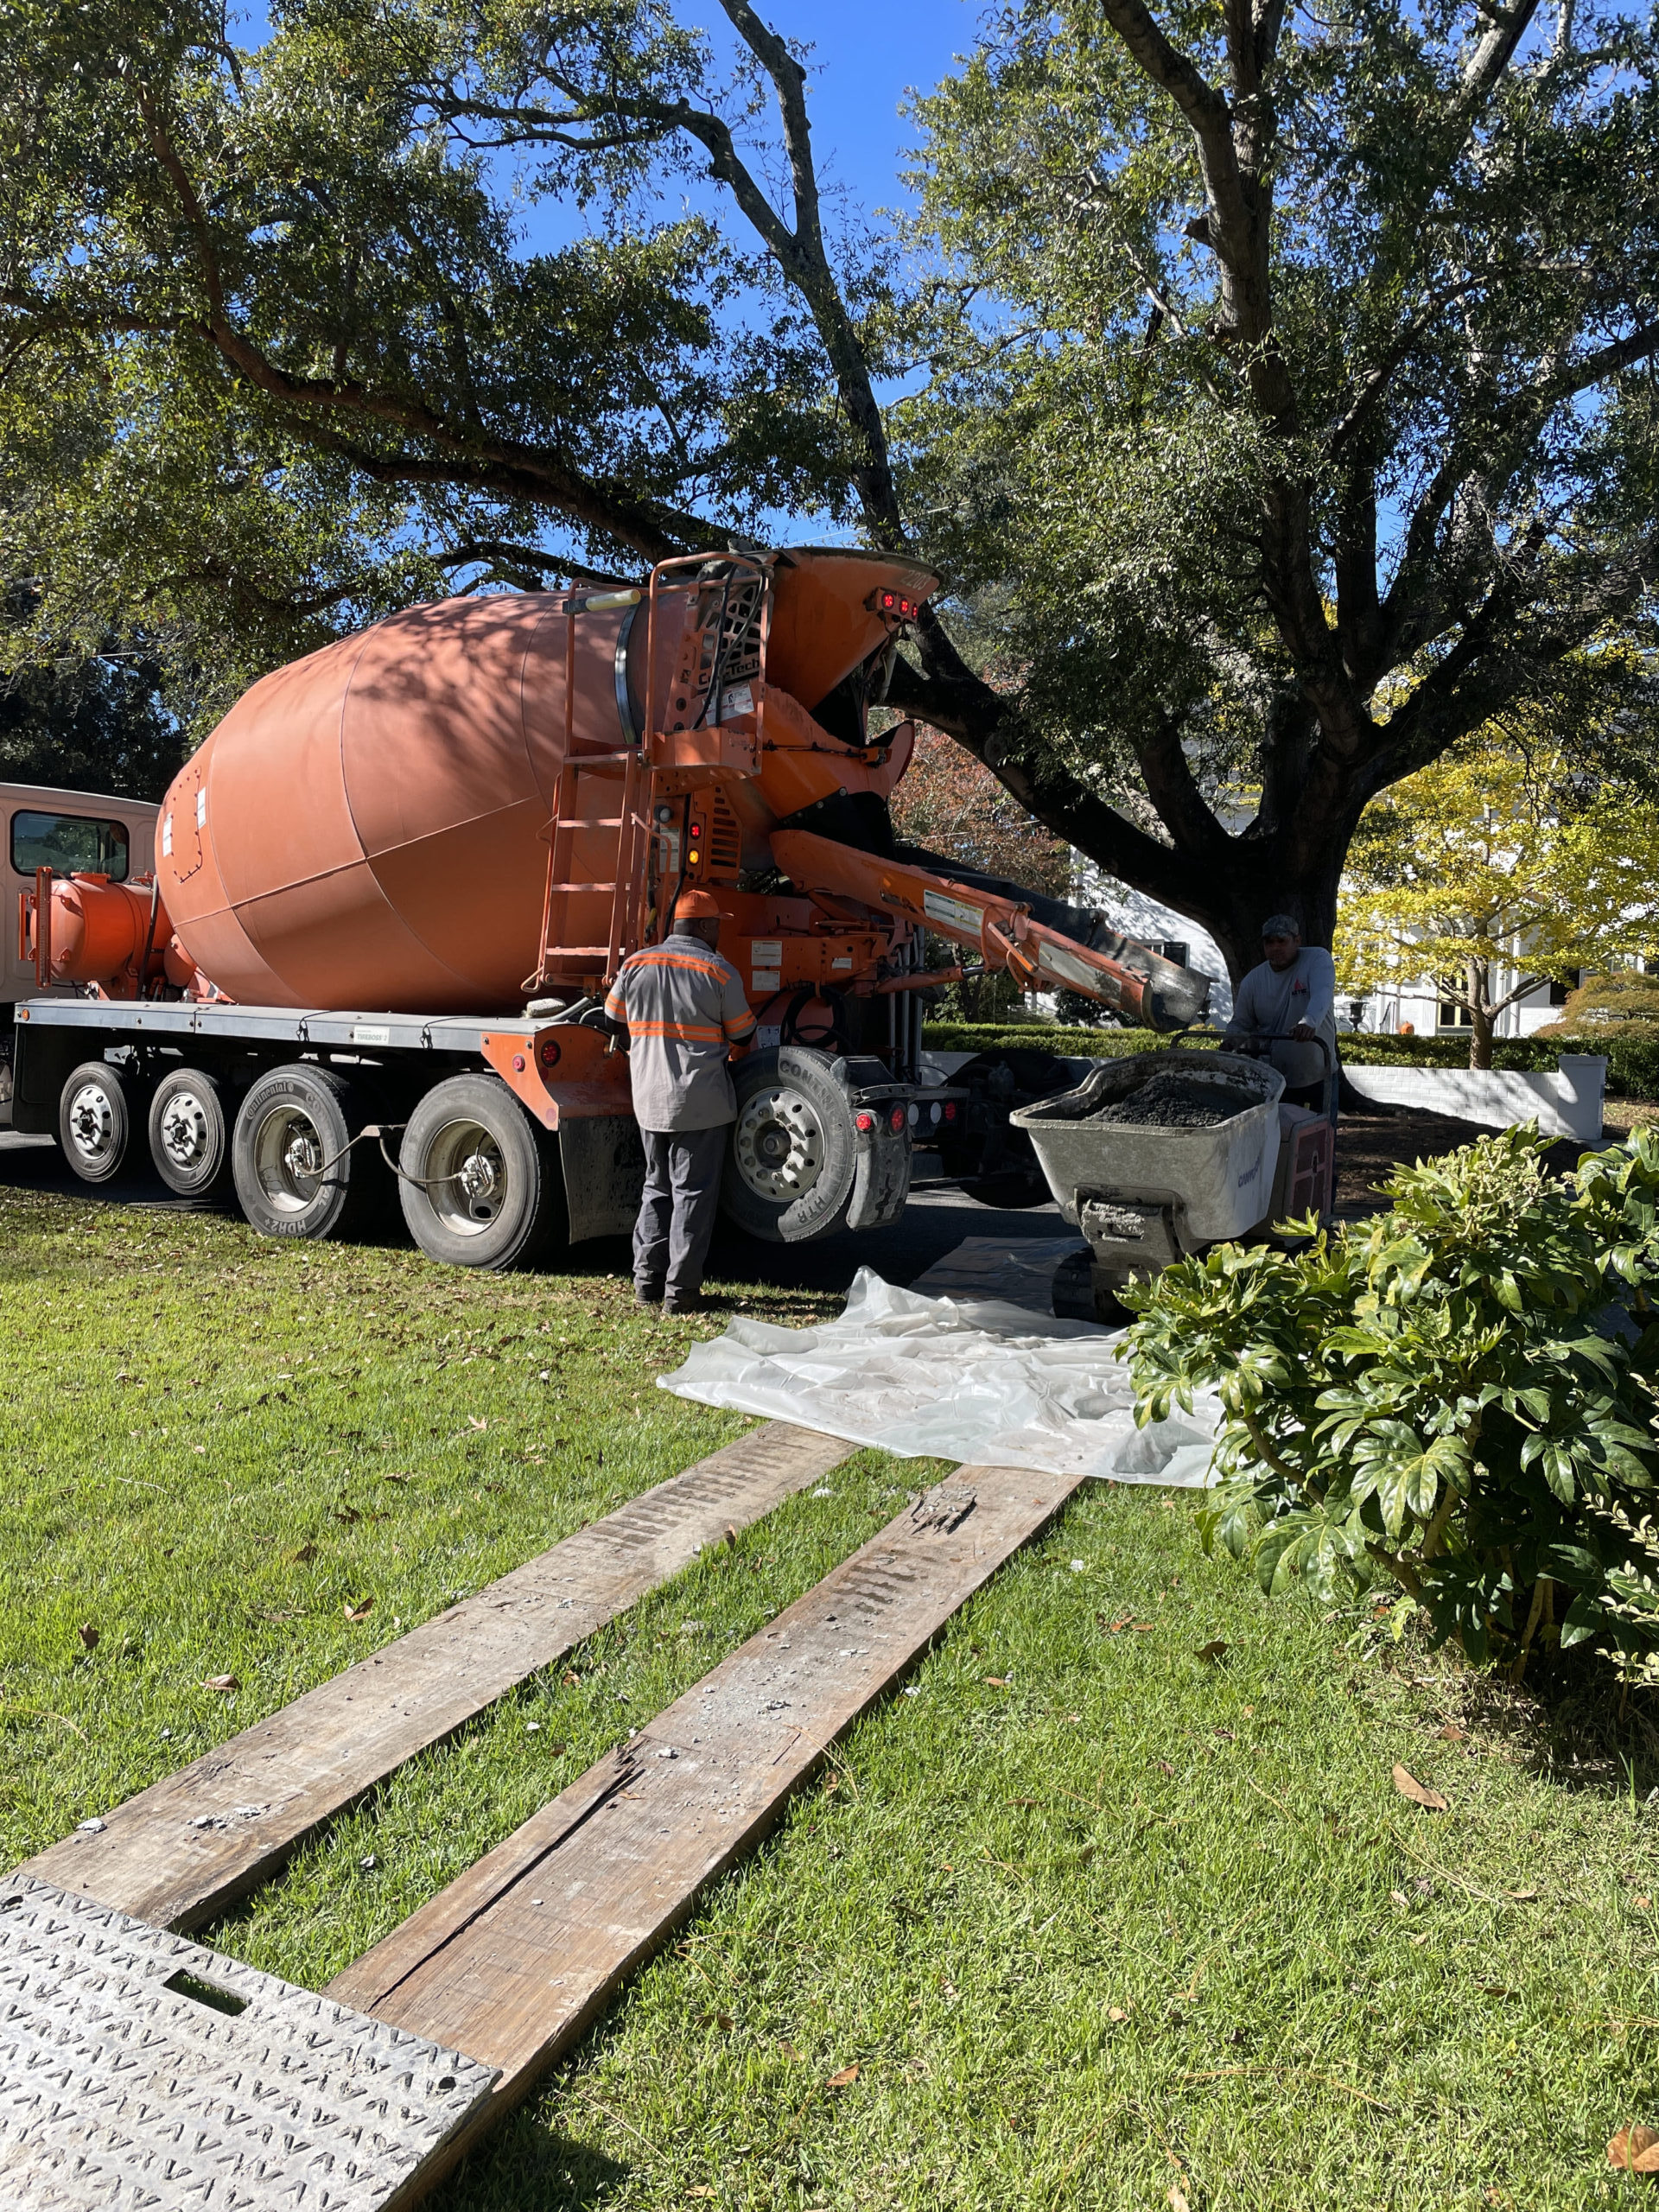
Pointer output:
x,y
1172,948
1453,1018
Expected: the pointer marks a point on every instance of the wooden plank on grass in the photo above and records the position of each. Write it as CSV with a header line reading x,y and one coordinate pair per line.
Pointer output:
x,y
514,1960
138,2070
191,1844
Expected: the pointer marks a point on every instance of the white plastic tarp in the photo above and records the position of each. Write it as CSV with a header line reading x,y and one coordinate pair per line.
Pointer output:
x,y
968,1379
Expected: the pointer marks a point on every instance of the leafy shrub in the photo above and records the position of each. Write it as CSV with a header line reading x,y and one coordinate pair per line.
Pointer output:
x,y
1457,1397
1599,1001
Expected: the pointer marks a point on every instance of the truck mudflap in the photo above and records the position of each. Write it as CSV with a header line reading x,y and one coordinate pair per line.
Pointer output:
x,y
883,1115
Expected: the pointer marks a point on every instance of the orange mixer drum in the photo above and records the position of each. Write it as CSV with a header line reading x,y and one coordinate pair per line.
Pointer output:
x,y
365,826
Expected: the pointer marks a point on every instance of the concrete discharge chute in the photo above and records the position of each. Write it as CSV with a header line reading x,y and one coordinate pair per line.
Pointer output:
x,y
491,802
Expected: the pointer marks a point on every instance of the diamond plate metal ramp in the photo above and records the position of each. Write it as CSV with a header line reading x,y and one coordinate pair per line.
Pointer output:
x,y
141,2072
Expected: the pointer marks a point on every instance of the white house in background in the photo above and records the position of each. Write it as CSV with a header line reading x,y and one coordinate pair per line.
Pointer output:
x,y
1414,1003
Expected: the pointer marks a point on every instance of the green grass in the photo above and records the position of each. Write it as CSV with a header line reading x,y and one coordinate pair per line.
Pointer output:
x,y
1134,1920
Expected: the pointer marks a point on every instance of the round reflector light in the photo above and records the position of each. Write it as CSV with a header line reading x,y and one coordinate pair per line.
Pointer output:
x,y
864,1123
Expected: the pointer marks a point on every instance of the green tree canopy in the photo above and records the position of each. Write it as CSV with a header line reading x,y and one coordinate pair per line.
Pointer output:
x,y
1273,391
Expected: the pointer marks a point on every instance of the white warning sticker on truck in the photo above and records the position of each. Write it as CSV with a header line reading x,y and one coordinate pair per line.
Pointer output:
x,y
738,700
954,913
767,952
370,1032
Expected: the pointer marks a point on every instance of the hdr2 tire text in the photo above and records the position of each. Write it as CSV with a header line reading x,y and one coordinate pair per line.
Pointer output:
x,y
794,1152
479,1184
190,1135
95,1119
297,1172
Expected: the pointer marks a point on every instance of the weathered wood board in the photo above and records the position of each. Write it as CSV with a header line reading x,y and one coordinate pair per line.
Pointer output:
x,y
191,1844
515,1959
139,2070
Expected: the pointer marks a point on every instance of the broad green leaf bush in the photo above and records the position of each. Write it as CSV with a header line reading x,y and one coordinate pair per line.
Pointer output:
x,y
1455,1400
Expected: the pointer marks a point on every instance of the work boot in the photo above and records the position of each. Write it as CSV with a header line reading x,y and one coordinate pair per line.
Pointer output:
x,y
683,1302
647,1293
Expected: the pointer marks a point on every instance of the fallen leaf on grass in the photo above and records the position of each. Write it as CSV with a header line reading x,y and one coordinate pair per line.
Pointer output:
x,y
359,1612
997,1681
396,1478
1213,1649
1022,1800
723,2021
1116,2012
1642,1904
789,2049
472,1422
223,1683
1408,1786
303,1557
1143,1628
1451,1734
88,1635
844,2080
1523,1896
1177,2197
1635,2151
700,2192
1398,1897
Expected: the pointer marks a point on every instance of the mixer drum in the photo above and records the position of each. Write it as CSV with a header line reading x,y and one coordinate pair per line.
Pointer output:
x,y
365,827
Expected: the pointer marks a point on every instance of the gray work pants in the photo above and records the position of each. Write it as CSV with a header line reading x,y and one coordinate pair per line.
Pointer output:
x,y
676,1214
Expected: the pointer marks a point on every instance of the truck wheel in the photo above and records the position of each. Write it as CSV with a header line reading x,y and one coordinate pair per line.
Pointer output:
x,y
789,1171
295,1169
189,1136
95,1120
478,1183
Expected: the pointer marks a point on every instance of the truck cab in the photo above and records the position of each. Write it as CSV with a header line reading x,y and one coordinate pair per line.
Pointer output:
x,y
71,833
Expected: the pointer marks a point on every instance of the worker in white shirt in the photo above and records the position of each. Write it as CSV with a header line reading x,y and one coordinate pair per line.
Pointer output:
x,y
1292,997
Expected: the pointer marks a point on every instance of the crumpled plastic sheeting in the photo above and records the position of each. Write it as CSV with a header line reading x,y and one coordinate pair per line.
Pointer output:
x,y
971,1380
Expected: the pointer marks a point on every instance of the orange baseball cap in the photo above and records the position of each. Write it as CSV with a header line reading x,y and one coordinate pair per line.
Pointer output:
x,y
696,906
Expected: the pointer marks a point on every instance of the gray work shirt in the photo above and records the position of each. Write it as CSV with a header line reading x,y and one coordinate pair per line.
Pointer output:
x,y
1271,1005
685,1008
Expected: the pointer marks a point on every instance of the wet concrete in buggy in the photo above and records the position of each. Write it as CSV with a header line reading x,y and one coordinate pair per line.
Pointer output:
x,y
1173,1101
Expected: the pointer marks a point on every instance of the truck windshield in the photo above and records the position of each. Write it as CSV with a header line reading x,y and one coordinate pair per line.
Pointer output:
x,y
69,843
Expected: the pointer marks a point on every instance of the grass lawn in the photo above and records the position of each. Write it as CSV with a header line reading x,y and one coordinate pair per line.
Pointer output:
x,y
1122,1923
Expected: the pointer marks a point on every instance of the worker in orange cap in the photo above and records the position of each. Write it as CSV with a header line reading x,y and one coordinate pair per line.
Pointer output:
x,y
684,1014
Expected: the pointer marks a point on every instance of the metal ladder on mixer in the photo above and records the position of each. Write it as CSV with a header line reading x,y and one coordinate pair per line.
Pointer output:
x,y
561,961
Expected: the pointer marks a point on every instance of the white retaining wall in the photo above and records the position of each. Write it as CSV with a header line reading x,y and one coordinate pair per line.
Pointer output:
x,y
1565,1104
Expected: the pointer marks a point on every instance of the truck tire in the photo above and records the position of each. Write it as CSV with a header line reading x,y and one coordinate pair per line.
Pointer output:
x,y
479,1184
190,1135
95,1118
295,1169
793,1154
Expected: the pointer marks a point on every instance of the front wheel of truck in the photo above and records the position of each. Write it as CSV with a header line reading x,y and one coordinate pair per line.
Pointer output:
x,y
479,1184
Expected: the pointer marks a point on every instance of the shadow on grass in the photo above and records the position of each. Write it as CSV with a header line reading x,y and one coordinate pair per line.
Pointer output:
x,y
1571,1724
525,2167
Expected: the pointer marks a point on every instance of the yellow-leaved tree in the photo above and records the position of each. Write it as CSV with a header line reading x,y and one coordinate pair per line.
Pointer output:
x,y
1493,871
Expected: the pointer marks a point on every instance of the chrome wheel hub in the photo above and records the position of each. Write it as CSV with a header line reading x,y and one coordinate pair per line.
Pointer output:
x,y
778,1144
91,1120
186,1131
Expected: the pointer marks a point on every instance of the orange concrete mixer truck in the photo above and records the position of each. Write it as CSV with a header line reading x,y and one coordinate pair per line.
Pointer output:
x,y
391,886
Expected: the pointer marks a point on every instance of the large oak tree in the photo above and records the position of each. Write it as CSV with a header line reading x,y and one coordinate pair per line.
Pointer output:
x,y
1275,390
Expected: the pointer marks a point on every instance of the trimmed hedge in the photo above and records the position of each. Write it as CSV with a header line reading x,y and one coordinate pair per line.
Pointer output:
x,y
1632,1048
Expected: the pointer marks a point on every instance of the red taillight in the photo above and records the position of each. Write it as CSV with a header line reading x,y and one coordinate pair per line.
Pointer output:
x,y
889,601
548,1052
696,830
950,1109
864,1123
897,1118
